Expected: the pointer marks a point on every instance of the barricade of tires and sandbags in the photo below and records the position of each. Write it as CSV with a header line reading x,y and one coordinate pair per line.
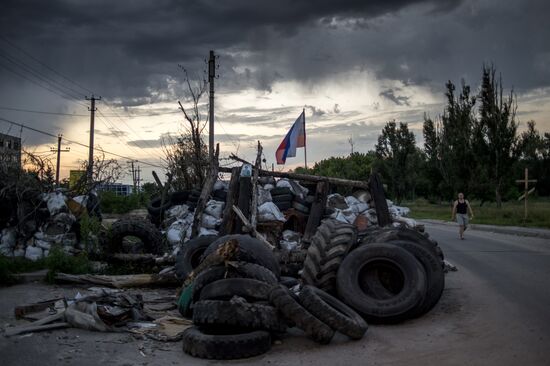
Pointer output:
x,y
244,285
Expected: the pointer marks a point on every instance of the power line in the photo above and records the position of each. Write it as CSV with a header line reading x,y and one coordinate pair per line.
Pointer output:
x,y
39,84
54,83
79,115
44,65
76,142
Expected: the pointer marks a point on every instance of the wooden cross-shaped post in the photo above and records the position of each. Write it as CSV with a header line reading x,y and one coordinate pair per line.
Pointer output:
x,y
526,181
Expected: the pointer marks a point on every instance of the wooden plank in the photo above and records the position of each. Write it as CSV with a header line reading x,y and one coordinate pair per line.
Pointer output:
x,y
254,203
205,193
232,195
309,178
317,211
252,229
243,202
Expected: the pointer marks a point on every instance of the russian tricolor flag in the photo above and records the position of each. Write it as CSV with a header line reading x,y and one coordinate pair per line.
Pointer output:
x,y
296,137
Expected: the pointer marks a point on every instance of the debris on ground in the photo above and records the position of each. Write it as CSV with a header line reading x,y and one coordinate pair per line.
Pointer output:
x,y
250,257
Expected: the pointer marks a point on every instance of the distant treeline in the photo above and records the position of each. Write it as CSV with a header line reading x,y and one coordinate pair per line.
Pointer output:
x,y
472,147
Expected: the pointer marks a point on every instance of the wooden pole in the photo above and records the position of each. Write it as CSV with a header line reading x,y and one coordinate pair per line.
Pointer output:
x,y
309,178
305,141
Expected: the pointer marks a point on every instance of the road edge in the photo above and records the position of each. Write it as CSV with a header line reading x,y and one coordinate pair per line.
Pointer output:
x,y
511,230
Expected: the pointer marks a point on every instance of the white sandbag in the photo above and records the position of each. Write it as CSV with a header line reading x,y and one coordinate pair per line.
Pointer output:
x,y
81,200
351,200
288,245
173,235
390,203
268,186
402,211
263,196
204,231
210,222
6,251
19,252
338,215
269,212
56,203
290,235
177,211
349,215
46,245
214,208
336,200
33,253
283,183
411,223
9,237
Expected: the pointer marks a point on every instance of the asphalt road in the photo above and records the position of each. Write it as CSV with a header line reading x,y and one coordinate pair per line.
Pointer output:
x,y
495,310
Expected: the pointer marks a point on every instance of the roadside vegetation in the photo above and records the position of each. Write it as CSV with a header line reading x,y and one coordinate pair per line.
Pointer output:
x,y
510,214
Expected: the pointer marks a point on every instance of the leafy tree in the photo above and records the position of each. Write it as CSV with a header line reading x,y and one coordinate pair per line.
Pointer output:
x,y
395,147
496,132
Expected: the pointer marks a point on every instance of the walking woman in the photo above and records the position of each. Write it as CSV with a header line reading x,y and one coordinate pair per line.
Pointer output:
x,y
460,211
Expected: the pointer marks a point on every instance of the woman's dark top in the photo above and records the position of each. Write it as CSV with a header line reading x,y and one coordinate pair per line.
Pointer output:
x,y
462,207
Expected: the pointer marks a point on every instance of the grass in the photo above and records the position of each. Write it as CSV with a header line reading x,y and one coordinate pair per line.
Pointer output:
x,y
57,261
511,213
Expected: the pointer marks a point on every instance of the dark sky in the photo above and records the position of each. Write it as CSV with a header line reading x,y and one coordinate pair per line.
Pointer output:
x,y
402,51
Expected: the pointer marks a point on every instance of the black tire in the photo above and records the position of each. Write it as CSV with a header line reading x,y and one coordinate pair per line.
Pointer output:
x,y
179,197
198,343
300,207
379,197
250,250
282,198
279,191
247,288
190,255
240,270
283,206
283,300
217,314
154,207
435,276
330,244
333,312
289,281
398,262
403,233
149,235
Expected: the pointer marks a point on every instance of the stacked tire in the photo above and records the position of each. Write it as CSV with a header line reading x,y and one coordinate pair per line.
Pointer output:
x,y
229,304
394,274
282,198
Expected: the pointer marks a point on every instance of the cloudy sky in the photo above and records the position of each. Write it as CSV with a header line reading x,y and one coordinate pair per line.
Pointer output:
x,y
353,65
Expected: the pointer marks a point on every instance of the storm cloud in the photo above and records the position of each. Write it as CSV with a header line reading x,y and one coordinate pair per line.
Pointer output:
x,y
129,52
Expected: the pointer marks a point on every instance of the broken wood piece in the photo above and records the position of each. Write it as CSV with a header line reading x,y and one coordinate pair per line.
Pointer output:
x,y
205,193
122,281
252,229
232,196
254,203
317,211
22,310
142,258
35,328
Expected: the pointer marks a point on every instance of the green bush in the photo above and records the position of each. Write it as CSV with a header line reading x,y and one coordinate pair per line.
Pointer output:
x,y
10,266
111,203
59,261
90,228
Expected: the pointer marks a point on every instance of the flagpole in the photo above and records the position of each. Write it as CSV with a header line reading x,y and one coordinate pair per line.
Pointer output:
x,y
305,139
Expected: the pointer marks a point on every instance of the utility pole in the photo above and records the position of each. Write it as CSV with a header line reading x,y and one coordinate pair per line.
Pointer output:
x,y
59,151
138,178
211,76
92,108
133,171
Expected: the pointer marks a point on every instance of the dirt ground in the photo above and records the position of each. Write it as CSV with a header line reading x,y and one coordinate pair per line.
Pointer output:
x,y
471,325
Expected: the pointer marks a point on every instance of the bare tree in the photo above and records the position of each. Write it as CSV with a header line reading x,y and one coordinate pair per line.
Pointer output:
x,y
186,154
